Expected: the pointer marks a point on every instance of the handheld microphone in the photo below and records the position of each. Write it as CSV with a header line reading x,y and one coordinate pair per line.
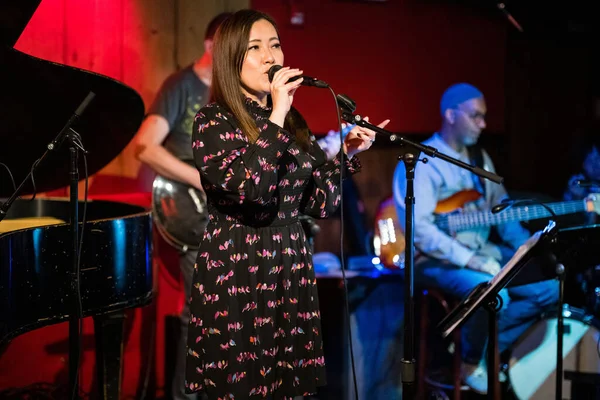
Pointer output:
x,y
308,81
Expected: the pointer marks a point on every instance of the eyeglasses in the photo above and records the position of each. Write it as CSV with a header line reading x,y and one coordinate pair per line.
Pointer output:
x,y
475,116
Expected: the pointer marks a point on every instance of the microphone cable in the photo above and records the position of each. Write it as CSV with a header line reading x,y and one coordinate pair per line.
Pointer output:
x,y
78,143
320,84
342,260
12,179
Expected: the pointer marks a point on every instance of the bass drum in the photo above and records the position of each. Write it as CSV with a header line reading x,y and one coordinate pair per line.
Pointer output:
x,y
532,364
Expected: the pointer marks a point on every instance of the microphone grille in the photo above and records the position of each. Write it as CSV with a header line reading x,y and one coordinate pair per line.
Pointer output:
x,y
272,71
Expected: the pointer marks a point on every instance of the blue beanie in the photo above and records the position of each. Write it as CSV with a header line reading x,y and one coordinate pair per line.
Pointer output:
x,y
457,94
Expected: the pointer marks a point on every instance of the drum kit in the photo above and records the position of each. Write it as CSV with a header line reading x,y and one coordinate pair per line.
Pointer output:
x,y
531,362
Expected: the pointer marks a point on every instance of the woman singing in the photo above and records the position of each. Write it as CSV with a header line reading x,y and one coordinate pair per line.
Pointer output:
x,y
255,327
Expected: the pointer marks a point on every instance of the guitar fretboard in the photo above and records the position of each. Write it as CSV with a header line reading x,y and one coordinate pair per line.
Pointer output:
x,y
462,221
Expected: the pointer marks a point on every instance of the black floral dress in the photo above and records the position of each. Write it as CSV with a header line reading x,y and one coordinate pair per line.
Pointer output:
x,y
255,328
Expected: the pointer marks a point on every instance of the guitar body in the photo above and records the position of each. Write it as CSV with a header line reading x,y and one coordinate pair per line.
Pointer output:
x,y
390,242
179,212
456,201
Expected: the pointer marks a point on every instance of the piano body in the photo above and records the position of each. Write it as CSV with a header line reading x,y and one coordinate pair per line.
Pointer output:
x,y
37,99
35,266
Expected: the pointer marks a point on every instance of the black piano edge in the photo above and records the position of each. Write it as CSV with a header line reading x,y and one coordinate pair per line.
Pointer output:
x,y
23,208
98,212
139,302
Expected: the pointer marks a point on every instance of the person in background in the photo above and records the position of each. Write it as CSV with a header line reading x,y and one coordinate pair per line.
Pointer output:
x,y
356,231
457,264
586,180
255,328
583,184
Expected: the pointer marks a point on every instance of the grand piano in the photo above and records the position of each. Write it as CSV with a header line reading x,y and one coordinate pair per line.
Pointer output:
x,y
37,98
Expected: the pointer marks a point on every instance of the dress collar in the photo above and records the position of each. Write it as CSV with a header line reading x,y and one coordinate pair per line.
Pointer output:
x,y
255,108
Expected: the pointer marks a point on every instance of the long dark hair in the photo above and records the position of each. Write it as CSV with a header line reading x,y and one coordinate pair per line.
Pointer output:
x,y
229,52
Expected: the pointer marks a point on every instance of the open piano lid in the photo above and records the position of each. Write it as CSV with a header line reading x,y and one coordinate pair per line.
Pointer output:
x,y
14,17
38,97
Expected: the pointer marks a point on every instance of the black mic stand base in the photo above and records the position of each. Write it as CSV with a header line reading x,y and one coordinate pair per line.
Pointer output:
x,y
493,359
560,329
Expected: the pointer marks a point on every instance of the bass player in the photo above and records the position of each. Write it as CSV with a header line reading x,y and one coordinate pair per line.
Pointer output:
x,y
457,264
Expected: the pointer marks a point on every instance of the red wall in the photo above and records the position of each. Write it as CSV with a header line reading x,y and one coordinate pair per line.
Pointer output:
x,y
395,64
394,58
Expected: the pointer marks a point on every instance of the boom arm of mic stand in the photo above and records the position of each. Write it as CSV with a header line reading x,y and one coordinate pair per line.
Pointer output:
x,y
430,151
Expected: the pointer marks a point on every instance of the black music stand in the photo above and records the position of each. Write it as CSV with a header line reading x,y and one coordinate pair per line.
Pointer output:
x,y
486,295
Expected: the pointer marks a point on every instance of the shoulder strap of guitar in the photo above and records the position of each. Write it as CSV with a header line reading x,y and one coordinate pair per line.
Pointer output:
x,y
476,156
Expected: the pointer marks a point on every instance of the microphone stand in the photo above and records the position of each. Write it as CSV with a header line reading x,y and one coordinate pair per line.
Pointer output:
x,y
502,7
410,153
73,138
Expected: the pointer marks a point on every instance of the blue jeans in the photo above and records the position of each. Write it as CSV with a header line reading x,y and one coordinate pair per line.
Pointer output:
x,y
522,305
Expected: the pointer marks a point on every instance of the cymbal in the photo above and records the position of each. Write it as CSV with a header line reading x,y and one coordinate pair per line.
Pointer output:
x,y
37,99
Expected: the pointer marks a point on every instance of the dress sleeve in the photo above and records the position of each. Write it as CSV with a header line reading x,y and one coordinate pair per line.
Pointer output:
x,y
322,195
241,171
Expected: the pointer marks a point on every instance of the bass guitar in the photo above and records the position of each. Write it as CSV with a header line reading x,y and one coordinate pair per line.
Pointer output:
x,y
179,213
389,239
